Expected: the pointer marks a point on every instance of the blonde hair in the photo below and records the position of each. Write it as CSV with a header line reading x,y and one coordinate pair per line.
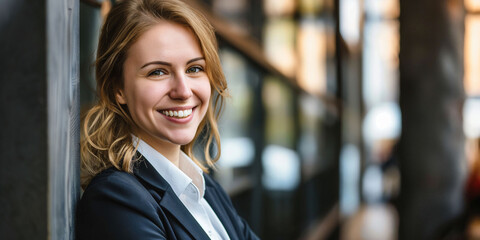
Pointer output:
x,y
107,127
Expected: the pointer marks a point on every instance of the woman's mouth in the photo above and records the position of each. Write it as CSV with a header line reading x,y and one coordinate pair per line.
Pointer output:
x,y
177,113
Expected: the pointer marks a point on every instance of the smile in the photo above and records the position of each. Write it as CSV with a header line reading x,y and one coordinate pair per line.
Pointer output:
x,y
177,114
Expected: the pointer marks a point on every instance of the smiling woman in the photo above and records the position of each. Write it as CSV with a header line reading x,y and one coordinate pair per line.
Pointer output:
x,y
159,82
164,79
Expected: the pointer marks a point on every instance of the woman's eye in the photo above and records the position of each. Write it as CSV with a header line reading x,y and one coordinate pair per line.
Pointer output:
x,y
195,69
157,72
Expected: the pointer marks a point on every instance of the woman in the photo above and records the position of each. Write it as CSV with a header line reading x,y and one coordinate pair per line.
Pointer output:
x,y
159,82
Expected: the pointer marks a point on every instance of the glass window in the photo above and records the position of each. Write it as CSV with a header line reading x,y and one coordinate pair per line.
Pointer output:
x,y
350,14
471,107
311,113
238,148
281,163
311,7
234,12
279,7
380,58
382,8
472,5
312,49
278,100
472,54
279,44
381,125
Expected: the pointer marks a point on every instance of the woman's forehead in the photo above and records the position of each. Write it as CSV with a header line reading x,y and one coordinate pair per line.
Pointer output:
x,y
166,40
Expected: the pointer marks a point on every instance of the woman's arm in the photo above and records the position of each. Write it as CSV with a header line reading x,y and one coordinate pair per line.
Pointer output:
x,y
221,198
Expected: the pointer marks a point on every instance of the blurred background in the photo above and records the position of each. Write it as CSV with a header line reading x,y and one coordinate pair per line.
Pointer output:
x,y
349,119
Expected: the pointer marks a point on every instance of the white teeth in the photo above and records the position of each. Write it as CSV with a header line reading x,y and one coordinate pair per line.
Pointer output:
x,y
179,114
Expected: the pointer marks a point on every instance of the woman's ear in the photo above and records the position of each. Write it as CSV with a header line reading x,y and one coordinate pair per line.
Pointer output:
x,y
120,96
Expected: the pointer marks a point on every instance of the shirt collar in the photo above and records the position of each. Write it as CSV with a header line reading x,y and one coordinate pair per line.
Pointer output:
x,y
179,178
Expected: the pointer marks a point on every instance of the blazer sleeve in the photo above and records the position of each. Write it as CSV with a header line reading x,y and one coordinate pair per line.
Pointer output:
x,y
117,207
243,229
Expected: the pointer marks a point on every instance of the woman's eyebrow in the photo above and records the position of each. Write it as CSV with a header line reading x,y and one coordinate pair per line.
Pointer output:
x,y
157,63
169,64
195,59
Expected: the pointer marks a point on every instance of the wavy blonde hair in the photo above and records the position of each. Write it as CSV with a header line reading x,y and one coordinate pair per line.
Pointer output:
x,y
107,126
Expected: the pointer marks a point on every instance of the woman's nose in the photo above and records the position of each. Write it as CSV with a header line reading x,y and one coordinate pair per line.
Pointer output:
x,y
180,88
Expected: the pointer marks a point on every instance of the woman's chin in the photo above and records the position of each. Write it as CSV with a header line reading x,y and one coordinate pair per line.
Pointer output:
x,y
182,140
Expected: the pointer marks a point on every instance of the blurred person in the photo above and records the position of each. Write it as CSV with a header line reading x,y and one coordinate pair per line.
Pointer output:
x,y
473,181
472,195
159,84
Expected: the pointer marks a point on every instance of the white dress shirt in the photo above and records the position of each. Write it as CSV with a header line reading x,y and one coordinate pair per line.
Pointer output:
x,y
188,184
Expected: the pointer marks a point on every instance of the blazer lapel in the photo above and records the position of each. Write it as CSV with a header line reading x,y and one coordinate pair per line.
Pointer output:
x,y
145,171
214,199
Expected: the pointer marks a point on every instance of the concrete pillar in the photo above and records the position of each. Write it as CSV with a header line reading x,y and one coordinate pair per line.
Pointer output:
x,y
39,118
431,148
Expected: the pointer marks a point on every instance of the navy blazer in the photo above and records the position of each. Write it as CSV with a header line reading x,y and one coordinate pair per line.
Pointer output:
x,y
142,205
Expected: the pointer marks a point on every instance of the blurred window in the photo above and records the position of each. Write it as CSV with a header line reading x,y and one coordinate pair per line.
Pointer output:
x,y
472,54
382,124
472,5
471,107
382,9
380,58
238,148
279,7
234,12
311,7
280,119
279,44
312,49
380,75
280,161
234,121
349,179
275,136
309,144
350,14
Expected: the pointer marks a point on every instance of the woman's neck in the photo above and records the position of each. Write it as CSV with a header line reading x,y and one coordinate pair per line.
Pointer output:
x,y
169,150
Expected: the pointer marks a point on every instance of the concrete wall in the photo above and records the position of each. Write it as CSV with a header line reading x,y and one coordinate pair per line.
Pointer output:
x,y
63,115
38,118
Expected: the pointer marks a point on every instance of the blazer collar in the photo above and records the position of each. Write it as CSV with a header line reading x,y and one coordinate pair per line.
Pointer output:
x,y
146,172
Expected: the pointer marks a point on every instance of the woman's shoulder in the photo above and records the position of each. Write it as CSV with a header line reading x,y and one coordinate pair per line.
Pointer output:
x,y
111,177
115,205
113,184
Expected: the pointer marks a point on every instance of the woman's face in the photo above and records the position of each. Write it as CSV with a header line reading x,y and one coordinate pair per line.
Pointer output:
x,y
166,88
